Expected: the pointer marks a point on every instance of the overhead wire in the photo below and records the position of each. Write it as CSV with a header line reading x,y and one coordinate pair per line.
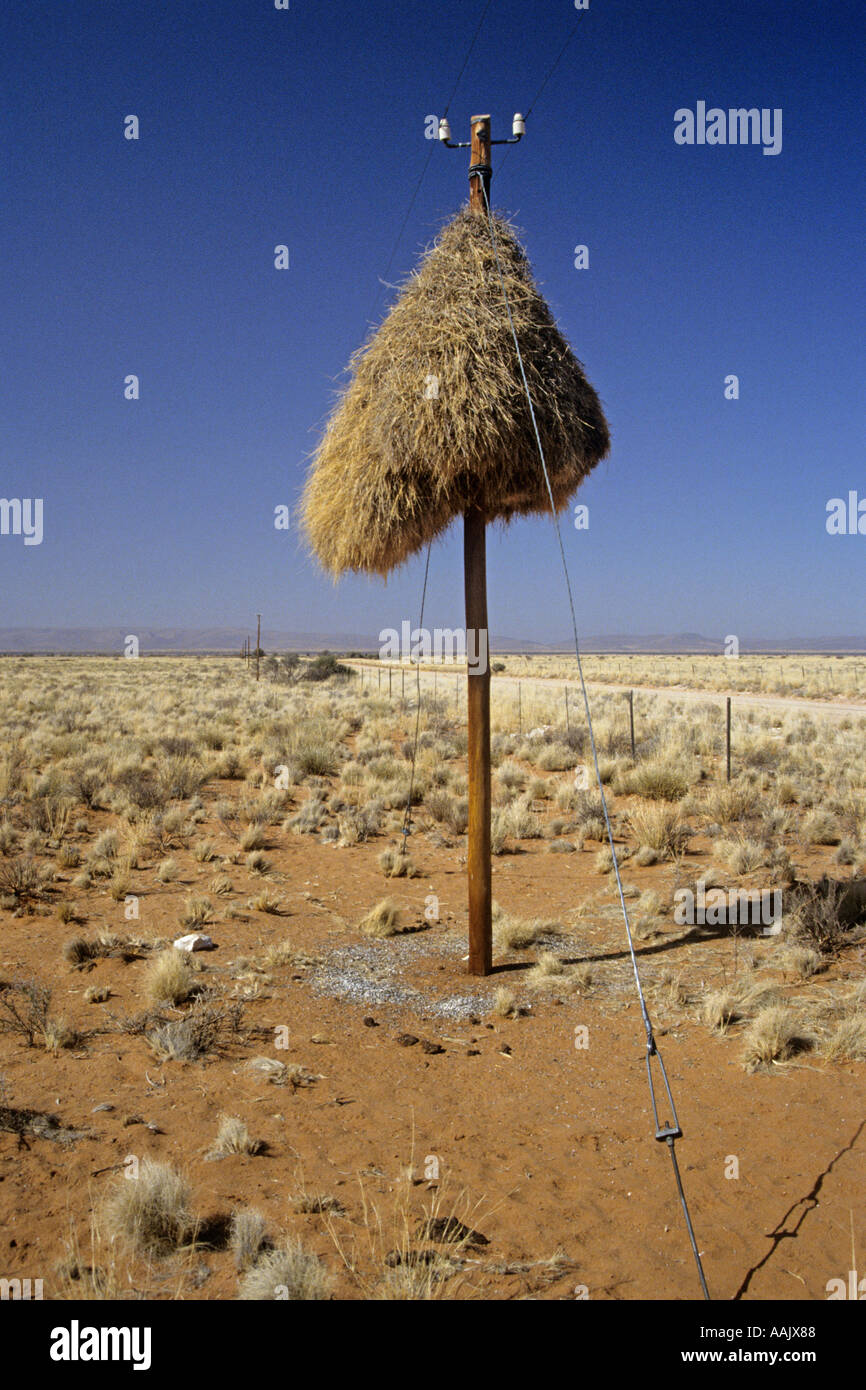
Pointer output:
x,y
551,70
417,189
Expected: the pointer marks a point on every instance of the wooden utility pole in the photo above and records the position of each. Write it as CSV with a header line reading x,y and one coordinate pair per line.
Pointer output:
x,y
258,641
478,861
478,858
480,170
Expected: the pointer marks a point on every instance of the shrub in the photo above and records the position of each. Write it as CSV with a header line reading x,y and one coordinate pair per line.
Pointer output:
x,y
814,921
324,666
659,780
180,778
511,775
187,1039
735,801
309,818
821,828
557,757
660,828
23,880
743,855
85,783
24,1006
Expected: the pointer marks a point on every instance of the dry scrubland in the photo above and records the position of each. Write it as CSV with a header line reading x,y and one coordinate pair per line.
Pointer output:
x,y
807,677
253,1085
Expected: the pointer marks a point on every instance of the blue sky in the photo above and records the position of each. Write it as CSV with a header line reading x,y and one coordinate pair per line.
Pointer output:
x,y
306,127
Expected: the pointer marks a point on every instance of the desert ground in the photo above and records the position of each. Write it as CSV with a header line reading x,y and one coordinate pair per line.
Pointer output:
x,y
323,1104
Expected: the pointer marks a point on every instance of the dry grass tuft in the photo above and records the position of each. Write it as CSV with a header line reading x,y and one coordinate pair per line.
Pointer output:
x,y
194,1036
395,864
514,934
772,1038
659,828
196,911
233,1137
658,780
722,1008
150,1213
504,1002
547,971
291,1273
247,1237
383,920
170,978
847,1042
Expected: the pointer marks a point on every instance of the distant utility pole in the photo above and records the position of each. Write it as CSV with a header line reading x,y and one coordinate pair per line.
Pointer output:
x,y
258,641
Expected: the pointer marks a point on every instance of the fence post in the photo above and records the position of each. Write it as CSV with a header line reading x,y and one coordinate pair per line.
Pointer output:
x,y
567,729
728,739
631,722
519,710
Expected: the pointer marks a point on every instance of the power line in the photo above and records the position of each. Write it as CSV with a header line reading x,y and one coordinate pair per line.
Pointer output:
x,y
433,143
468,54
412,200
550,73
555,65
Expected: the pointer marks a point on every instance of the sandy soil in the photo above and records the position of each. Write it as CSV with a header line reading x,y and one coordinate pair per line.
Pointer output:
x,y
541,1146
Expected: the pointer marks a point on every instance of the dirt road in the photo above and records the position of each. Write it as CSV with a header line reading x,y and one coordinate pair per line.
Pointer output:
x,y
448,681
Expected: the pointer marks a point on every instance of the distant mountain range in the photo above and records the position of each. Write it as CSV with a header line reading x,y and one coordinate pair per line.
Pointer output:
x,y
166,641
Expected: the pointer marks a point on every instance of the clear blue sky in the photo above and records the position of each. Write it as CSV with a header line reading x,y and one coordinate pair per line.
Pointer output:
x,y
306,127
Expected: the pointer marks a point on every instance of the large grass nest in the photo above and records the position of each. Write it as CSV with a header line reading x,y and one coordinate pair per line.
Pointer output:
x,y
435,418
